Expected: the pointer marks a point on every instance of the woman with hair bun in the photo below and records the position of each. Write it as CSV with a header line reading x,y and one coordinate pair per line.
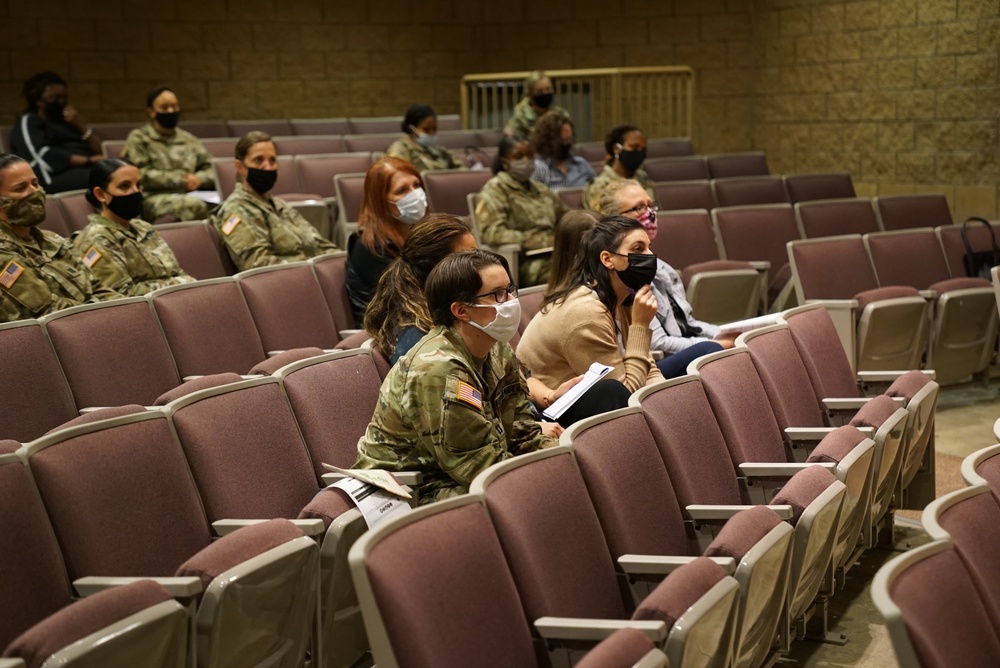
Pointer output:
x,y
419,146
124,252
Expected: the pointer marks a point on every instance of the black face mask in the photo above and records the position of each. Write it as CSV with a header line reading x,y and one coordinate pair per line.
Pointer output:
x,y
564,151
54,110
261,180
543,101
168,120
126,206
640,271
632,160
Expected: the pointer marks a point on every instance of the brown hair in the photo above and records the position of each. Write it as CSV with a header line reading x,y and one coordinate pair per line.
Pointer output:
x,y
569,234
248,140
546,135
376,219
456,279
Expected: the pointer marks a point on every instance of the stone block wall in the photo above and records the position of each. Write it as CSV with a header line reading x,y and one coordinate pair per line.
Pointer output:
x,y
902,94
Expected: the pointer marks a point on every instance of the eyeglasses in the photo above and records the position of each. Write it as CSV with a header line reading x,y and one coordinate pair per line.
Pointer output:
x,y
500,295
641,209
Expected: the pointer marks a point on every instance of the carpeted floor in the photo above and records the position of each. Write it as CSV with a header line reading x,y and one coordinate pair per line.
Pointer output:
x,y
965,420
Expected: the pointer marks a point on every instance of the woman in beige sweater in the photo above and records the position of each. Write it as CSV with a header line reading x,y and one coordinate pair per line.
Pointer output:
x,y
603,315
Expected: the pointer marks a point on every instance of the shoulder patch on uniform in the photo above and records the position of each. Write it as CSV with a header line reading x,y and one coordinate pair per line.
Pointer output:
x,y
230,224
11,271
469,395
91,257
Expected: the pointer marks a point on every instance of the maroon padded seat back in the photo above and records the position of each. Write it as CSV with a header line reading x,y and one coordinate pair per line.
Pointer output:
x,y
669,147
113,355
275,362
209,328
309,145
121,500
679,591
914,258
370,142
350,190
692,270
832,218
195,248
755,233
447,192
75,208
376,125
809,187
333,403
39,397
530,303
33,583
679,416
553,541
742,532
196,385
972,524
276,127
222,147
979,239
683,195
447,596
381,363
908,385
822,354
834,268
642,517
246,454
903,212
54,219
457,139
740,403
625,647
682,168
331,272
684,238
836,445
802,489
750,190
289,308
785,379
571,197
320,126
206,129
753,163
944,613
100,414
316,172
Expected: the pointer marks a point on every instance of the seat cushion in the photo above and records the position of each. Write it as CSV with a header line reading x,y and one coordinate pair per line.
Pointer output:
x,y
875,411
195,385
82,618
237,547
679,591
878,294
7,446
803,489
272,364
836,445
328,505
743,530
623,648
102,414
908,385
961,283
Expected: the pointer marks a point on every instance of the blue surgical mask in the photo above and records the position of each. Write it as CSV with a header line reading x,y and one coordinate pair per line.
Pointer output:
x,y
425,139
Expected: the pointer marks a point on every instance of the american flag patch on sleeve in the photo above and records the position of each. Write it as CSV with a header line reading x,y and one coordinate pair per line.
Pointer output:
x,y
230,224
10,273
470,395
91,258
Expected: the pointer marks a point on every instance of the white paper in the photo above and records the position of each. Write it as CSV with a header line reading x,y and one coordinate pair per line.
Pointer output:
x,y
376,477
210,196
749,324
562,404
376,505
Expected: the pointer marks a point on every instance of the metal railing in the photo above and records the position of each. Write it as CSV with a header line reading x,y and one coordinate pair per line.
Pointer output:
x,y
657,99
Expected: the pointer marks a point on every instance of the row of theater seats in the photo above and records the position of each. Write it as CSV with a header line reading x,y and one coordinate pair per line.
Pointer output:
x,y
132,350
629,484
941,601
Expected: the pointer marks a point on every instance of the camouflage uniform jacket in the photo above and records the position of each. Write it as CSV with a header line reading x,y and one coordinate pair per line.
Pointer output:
x,y
441,413
509,212
258,233
163,160
592,191
43,276
133,261
524,118
434,157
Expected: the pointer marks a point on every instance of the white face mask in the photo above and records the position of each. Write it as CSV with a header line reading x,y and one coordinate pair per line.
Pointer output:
x,y
412,207
425,139
506,322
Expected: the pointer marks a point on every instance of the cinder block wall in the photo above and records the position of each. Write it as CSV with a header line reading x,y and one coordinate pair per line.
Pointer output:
x,y
902,94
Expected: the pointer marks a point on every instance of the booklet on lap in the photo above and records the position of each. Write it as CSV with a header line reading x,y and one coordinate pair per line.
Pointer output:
x,y
562,404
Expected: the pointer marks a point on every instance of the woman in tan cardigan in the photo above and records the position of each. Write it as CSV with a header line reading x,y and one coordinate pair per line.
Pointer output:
x,y
603,315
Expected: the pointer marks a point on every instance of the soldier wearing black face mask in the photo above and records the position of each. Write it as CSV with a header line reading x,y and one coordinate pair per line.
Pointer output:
x,y
539,94
626,150
53,137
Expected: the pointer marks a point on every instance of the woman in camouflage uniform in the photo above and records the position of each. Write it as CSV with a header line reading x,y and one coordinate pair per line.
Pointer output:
x,y
39,272
419,147
626,150
124,252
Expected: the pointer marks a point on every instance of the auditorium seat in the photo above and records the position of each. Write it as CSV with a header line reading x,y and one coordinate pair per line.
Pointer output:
x,y
331,273
275,127
206,129
669,147
55,220
591,151
725,165
749,190
370,143
831,218
136,624
221,147
457,139
113,131
571,197
320,126
904,212
684,195
376,125
113,353
75,209
983,467
40,397
688,168
350,189
952,245
112,148
287,183
447,190
531,301
316,172
253,593
196,246
308,144
809,187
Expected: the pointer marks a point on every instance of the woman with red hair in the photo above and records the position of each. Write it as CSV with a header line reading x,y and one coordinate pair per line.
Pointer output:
x,y
394,201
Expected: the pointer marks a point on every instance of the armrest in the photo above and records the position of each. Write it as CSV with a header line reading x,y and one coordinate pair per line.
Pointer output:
x,y
538,251
846,304
889,376
595,630
185,379
708,513
308,527
12,663
760,265
644,564
778,470
179,587
929,295
855,404
807,434
344,333
657,355
406,478
272,353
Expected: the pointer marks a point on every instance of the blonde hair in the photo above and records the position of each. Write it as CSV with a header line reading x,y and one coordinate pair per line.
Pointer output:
x,y
607,199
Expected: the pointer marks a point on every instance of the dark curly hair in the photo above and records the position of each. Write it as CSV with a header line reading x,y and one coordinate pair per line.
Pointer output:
x,y
34,88
615,137
546,135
